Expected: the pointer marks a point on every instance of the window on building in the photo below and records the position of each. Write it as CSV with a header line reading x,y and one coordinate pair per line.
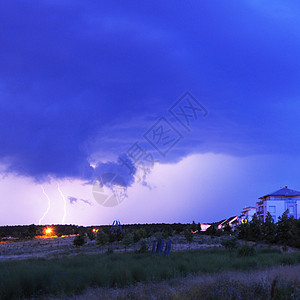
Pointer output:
x,y
291,209
272,209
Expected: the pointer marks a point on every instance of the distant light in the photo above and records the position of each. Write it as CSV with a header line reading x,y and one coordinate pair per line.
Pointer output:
x,y
95,230
48,231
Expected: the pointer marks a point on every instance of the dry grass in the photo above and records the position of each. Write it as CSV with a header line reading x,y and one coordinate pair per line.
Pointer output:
x,y
63,246
225,285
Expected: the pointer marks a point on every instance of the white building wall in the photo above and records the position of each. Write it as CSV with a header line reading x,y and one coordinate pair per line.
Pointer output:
x,y
251,213
279,206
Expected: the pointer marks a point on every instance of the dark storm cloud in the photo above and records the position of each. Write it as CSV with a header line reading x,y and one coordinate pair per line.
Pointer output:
x,y
116,173
69,70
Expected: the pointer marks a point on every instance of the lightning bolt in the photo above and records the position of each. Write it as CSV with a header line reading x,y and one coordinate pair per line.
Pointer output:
x,y
48,208
65,203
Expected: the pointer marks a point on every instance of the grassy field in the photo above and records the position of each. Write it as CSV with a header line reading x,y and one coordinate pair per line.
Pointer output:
x,y
279,282
73,275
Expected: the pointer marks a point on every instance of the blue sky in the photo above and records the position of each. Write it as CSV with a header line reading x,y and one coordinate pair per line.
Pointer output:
x,y
81,82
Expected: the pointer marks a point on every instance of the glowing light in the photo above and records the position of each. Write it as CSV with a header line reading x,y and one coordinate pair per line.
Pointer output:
x,y
48,232
48,208
194,231
244,221
65,203
95,230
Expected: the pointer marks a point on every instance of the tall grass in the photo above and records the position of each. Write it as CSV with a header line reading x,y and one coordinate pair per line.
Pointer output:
x,y
72,275
280,282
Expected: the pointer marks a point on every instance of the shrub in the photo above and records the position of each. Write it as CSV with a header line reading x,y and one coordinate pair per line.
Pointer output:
x,y
110,250
79,240
229,243
144,247
91,235
246,250
102,238
167,232
127,240
211,230
188,236
139,234
31,231
227,228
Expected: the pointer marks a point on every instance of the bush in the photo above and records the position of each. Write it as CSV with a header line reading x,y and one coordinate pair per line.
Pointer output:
x,y
246,250
110,250
91,235
167,232
229,243
188,236
102,238
144,247
139,234
227,228
127,240
31,231
79,240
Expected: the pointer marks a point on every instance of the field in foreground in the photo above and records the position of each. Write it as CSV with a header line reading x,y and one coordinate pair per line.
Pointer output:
x,y
74,275
280,282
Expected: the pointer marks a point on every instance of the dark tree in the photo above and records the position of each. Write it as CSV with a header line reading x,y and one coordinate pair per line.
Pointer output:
x,y
199,228
127,240
139,234
31,231
211,230
188,236
194,226
269,229
255,233
284,229
295,232
227,228
91,235
79,240
102,238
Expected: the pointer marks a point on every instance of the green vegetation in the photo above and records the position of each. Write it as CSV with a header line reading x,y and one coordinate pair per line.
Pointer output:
x,y
285,232
127,240
102,238
280,282
71,275
91,235
144,247
188,236
246,250
229,243
79,240
139,234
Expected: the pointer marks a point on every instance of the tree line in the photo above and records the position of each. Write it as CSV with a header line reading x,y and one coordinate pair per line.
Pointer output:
x,y
285,232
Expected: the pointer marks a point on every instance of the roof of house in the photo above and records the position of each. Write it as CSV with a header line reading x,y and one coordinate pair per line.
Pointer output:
x,y
248,208
224,222
283,192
